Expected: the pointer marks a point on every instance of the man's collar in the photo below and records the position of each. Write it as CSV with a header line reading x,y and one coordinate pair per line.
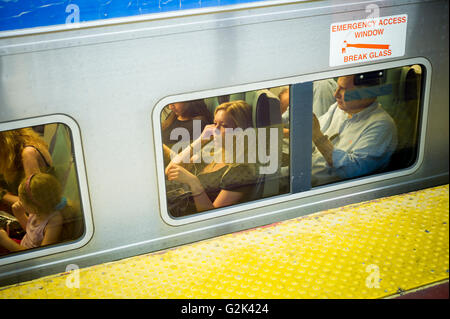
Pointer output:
x,y
364,111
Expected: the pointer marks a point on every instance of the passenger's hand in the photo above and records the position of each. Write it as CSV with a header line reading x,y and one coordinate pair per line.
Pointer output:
x,y
316,124
17,208
316,132
209,131
175,161
3,236
177,173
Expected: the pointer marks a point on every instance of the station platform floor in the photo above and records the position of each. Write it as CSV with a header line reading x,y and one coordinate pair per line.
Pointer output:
x,y
382,248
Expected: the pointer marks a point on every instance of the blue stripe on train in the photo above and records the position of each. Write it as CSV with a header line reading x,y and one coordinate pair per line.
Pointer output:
x,y
21,14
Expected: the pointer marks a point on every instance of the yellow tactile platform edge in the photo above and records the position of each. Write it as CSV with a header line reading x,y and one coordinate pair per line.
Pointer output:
x,y
369,250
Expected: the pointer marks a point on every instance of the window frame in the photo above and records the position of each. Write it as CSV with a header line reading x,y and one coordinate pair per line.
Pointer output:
x,y
82,186
336,72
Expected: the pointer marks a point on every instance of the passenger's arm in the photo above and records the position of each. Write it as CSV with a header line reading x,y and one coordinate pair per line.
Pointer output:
x,y
177,173
372,151
322,142
53,230
168,154
10,199
203,202
8,243
196,146
30,161
201,199
20,213
226,198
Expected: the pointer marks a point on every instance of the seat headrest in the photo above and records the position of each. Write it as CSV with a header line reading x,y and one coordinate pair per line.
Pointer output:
x,y
265,108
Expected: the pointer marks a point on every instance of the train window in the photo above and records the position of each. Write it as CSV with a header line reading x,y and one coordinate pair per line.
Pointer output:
x,y
236,148
39,189
372,126
225,150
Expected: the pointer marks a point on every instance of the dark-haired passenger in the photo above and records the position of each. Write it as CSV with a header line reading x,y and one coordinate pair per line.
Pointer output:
x,y
182,122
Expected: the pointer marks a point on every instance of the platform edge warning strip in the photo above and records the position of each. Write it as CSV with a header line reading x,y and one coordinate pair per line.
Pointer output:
x,y
373,249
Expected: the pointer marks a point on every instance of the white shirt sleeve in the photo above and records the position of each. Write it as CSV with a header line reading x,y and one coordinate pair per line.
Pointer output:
x,y
372,151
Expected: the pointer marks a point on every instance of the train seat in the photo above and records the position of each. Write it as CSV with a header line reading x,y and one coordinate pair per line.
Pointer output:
x,y
213,102
266,114
403,106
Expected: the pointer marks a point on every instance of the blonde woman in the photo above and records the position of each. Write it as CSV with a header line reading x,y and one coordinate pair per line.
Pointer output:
x,y
22,153
218,183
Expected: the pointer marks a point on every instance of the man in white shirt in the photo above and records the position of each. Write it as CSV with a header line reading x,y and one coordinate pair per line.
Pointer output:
x,y
355,137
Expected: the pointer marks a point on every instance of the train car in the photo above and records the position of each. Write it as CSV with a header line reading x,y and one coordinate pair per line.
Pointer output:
x,y
102,91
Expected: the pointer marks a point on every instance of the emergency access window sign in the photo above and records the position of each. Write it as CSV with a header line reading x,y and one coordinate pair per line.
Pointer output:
x,y
367,40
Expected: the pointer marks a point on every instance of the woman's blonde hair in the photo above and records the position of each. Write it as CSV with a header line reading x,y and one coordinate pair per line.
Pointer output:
x,y
239,111
12,144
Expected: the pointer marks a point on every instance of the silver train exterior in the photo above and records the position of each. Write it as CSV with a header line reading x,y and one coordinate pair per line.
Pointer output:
x,y
109,81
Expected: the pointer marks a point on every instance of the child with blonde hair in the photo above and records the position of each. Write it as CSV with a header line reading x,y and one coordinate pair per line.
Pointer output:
x,y
40,196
